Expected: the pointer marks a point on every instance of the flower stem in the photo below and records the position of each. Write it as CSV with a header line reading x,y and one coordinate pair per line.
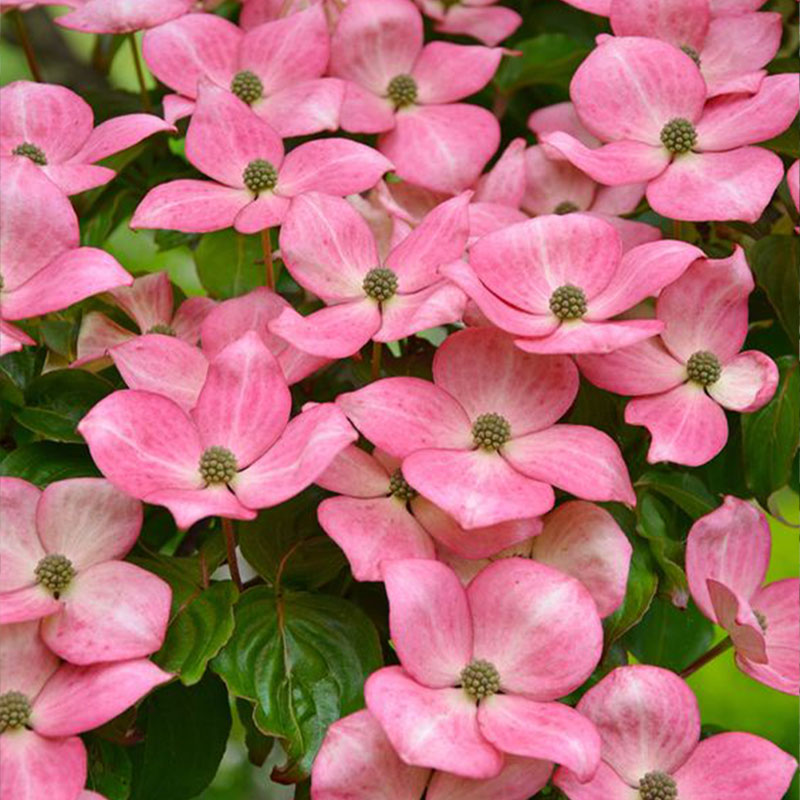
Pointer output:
x,y
715,651
266,246
377,351
139,73
27,47
230,544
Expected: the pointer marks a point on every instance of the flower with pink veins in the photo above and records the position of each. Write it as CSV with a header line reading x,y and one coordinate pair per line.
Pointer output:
x,y
61,557
377,516
557,283
484,20
481,667
330,250
230,452
42,268
646,100
122,16
257,12
149,303
481,440
727,555
357,762
407,92
53,128
649,725
276,68
252,183
683,379
44,705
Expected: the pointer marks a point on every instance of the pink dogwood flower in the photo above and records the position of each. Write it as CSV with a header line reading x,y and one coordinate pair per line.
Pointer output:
x,y
481,668
727,555
556,283
234,451
357,762
276,68
44,705
61,562
682,379
649,725
408,93
482,19
481,440
330,251
793,181
718,8
42,268
122,16
252,183
647,100
257,12
149,303
53,128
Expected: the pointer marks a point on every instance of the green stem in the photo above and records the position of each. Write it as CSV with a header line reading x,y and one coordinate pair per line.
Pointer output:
x,y
715,651
137,63
230,545
27,47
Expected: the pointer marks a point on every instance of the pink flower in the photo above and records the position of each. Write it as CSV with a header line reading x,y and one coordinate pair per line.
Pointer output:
x,y
793,181
276,68
357,762
44,705
649,725
717,7
727,555
378,517
257,12
682,380
61,562
233,452
148,302
647,99
253,184
43,268
407,93
53,128
480,441
481,667
122,16
481,19
557,282
330,251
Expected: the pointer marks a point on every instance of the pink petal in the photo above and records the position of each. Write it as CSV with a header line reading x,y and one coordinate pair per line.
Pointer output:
x,y
406,314
302,453
600,7
148,300
266,211
519,777
747,383
26,661
504,184
32,602
647,718
304,108
76,178
188,506
118,134
723,7
96,336
551,182
485,218
12,339
605,785
548,731
190,316
733,613
97,16
20,548
356,473
365,112
435,728
793,182
679,22
476,487
488,25
176,107
631,232
576,458
592,337
612,200
561,117
447,72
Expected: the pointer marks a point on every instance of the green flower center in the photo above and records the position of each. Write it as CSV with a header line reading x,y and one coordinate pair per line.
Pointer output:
x,y
491,431
218,465
679,135
31,151
692,53
658,786
260,176
15,711
567,207
704,368
402,90
568,302
480,679
380,284
247,86
55,572
400,488
163,329
762,620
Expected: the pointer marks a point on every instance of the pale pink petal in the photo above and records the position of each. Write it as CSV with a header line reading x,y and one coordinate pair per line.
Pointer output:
x,y
679,22
304,108
723,7
365,112
12,339
26,663
520,777
76,178
190,316
631,232
488,25
356,473
99,16
118,134
733,613
612,200
267,211
176,107
446,72
505,183
592,337
561,117
435,728
188,506
793,182
29,603
600,7
485,218
552,182
20,548
97,334
148,300
747,383
605,785
406,314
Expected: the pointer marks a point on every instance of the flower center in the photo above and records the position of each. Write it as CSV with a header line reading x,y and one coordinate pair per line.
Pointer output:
x,y
400,488
491,431
704,368
260,176
692,53
658,786
480,679
679,135
380,284
568,302
218,465
567,207
15,711
163,329
247,86
762,620
55,572
402,90
31,151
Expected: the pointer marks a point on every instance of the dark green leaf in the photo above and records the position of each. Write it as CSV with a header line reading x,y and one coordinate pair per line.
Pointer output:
x,y
110,768
44,462
776,263
229,263
658,526
169,240
549,58
684,489
258,746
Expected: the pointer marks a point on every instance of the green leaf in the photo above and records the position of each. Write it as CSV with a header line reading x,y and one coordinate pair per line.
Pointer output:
x,y
657,525
776,263
110,768
770,435
302,658
550,58
684,489
258,746
44,462
229,263
186,732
